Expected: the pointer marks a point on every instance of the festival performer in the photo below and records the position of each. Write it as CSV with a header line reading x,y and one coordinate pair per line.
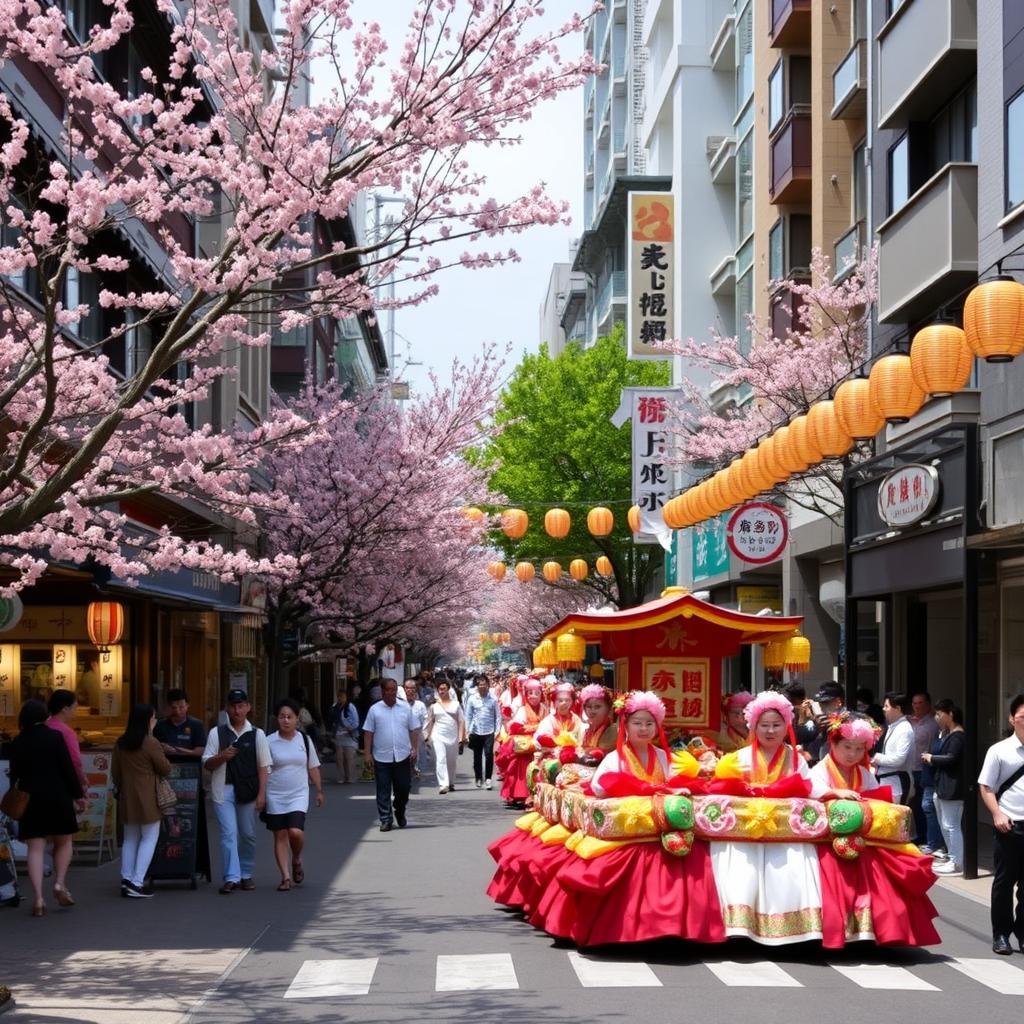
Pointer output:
x,y
600,734
521,746
882,893
562,727
735,734
770,892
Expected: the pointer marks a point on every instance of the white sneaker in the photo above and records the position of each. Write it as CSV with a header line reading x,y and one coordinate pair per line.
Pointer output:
x,y
488,784
947,867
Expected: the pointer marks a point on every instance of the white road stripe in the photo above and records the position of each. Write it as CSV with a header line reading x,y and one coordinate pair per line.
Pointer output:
x,y
324,978
481,971
762,974
998,975
884,976
612,973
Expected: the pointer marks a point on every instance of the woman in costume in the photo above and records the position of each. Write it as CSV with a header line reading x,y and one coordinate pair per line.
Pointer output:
x,y
521,732
600,734
769,892
880,894
562,727
735,734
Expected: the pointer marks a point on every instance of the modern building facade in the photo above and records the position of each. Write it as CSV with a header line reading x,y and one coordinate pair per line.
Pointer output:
x,y
565,286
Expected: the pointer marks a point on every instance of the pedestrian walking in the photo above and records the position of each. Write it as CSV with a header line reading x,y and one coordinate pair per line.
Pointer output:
x,y
138,764
62,706
446,731
238,755
947,767
41,766
483,718
294,765
343,725
926,729
1001,783
390,738
419,714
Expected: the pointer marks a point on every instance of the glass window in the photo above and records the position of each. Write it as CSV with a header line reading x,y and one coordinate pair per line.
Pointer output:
x,y
1015,150
138,345
799,80
899,175
777,250
860,184
952,133
744,56
745,187
744,307
859,20
776,99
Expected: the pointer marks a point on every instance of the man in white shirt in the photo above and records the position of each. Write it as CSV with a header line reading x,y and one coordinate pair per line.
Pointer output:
x,y
1001,784
894,763
419,713
390,739
238,756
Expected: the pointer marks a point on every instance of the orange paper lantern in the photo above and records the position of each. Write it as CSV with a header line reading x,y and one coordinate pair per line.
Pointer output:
x,y
940,359
496,569
578,569
804,444
786,456
604,566
856,414
823,425
514,522
994,320
552,572
600,521
525,571
474,515
557,523
893,391
633,518
672,513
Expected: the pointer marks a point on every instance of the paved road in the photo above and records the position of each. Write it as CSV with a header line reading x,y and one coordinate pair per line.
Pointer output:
x,y
395,927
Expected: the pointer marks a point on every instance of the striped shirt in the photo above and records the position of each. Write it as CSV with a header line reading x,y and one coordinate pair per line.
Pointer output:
x,y
482,715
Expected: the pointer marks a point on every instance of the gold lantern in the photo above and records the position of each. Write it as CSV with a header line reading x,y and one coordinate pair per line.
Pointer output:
x,y
994,320
596,671
483,638
544,655
633,518
604,567
798,653
104,622
496,569
506,638
804,443
552,572
514,522
472,514
892,389
940,359
578,569
600,521
854,409
775,654
829,436
786,456
525,571
496,638
557,523
571,649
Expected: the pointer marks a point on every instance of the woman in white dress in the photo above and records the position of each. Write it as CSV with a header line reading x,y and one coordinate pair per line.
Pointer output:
x,y
445,730
769,892
294,766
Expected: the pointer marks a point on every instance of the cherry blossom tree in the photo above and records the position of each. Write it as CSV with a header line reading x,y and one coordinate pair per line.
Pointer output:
x,y
528,610
218,134
776,378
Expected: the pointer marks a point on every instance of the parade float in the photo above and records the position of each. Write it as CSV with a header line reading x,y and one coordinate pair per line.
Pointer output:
x,y
704,848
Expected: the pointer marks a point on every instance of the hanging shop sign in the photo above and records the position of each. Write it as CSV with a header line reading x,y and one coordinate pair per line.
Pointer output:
x,y
651,272
684,686
710,549
908,494
757,532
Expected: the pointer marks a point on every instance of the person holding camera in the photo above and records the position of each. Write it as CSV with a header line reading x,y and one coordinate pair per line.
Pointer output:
x,y
238,756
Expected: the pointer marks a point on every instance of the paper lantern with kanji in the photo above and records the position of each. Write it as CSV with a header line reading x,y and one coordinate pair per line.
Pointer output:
x,y
104,622
994,320
600,521
557,523
570,649
633,518
578,569
552,572
604,567
855,411
496,569
940,359
893,391
474,515
514,523
823,425
525,571
798,653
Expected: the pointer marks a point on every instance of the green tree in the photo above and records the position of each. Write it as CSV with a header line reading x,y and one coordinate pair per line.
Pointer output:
x,y
556,446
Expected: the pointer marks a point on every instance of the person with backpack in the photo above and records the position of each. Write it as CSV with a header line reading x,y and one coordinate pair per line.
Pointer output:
x,y
295,765
238,756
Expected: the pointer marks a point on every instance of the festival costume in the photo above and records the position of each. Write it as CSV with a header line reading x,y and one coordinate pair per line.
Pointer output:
x,y
518,751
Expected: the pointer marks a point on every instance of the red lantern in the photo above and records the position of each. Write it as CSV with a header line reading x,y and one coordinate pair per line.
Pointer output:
x,y
104,621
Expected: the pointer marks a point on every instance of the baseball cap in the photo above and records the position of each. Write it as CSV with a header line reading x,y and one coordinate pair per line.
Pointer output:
x,y
830,691
238,697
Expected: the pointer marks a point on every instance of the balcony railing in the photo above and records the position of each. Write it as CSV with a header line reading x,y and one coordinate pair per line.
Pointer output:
x,y
791,158
791,23
850,83
723,49
848,251
588,95
578,332
619,64
613,288
619,140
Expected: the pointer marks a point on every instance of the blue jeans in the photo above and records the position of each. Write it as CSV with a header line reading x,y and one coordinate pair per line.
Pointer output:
x,y
237,825
933,832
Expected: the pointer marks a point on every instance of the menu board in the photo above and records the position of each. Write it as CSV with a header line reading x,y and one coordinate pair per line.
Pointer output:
x,y
182,850
96,822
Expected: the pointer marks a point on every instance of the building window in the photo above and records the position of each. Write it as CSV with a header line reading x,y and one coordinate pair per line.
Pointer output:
x,y
82,289
744,307
776,110
953,132
1015,150
777,250
860,184
859,20
744,56
899,174
745,187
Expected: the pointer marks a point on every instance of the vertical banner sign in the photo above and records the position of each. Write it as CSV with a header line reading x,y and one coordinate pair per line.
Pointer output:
x,y
651,274
710,548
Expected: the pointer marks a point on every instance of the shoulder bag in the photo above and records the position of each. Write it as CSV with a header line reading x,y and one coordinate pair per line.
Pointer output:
x,y
14,803
166,798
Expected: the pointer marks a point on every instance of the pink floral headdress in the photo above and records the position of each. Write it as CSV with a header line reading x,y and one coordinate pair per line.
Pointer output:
x,y
736,700
847,726
533,686
564,688
630,703
595,691
770,700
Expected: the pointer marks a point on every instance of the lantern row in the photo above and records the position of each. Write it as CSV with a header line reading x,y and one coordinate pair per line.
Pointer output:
x,y
557,521
940,362
552,571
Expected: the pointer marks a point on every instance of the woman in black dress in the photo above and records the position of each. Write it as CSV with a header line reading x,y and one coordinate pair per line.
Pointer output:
x,y
41,766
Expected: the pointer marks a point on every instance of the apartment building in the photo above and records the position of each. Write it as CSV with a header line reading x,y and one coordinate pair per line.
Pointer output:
x,y
565,286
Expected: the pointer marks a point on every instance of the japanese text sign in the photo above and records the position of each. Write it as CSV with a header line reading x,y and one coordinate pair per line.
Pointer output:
x,y
757,532
684,685
710,550
651,272
908,494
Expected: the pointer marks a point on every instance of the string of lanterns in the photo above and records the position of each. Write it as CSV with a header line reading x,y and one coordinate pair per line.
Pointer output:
x,y
940,362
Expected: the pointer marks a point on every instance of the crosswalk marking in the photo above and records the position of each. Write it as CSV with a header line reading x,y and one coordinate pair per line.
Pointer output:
x,y
323,978
479,972
998,975
762,974
884,976
612,973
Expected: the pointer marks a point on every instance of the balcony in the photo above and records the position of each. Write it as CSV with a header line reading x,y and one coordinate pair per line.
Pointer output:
x,y
784,309
850,84
723,277
926,50
791,158
722,161
604,129
928,249
614,289
578,331
619,142
619,64
619,11
723,49
589,182
588,99
791,23
848,251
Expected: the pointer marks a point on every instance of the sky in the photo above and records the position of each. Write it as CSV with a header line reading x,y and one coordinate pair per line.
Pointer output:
x,y
503,304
